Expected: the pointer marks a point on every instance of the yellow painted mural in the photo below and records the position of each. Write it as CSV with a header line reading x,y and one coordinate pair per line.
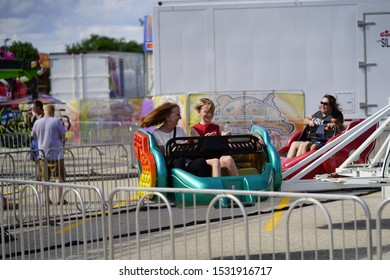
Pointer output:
x,y
281,113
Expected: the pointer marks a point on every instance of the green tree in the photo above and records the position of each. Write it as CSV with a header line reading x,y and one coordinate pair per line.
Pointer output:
x,y
23,50
103,43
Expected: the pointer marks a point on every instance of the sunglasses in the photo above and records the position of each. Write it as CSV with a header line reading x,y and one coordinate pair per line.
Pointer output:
x,y
324,103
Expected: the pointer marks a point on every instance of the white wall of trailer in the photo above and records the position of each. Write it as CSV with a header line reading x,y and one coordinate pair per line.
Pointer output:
x,y
77,76
315,46
96,75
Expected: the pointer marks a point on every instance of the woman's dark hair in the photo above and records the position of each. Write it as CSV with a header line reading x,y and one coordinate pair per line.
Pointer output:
x,y
333,102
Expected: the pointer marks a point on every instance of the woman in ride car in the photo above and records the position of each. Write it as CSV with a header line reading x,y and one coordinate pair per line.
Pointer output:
x,y
328,117
167,116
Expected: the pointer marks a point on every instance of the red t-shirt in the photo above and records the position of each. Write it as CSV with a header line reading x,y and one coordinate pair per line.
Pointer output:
x,y
202,129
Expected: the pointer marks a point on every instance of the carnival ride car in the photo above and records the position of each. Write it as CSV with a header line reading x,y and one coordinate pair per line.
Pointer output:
x,y
328,166
257,160
357,158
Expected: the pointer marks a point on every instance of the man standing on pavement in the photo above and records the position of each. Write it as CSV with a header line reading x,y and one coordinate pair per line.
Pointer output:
x,y
50,133
35,114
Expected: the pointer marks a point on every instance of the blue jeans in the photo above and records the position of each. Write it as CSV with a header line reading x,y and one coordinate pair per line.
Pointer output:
x,y
34,150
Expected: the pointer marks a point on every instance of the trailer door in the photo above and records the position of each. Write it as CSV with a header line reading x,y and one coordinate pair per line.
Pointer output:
x,y
377,61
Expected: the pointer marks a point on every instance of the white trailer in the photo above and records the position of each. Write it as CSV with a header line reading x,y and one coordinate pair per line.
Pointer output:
x,y
318,47
96,75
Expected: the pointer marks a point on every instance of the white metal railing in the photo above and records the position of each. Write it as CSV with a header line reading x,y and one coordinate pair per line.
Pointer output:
x,y
209,232
39,229
136,226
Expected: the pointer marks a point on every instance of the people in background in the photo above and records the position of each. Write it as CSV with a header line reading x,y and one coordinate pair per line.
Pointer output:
x,y
49,132
35,114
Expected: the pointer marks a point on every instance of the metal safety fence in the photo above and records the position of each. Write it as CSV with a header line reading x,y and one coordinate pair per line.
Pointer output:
x,y
283,226
97,132
34,228
106,166
81,133
14,140
134,223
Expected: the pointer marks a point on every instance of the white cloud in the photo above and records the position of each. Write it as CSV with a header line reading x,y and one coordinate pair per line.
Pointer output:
x,y
107,10
50,25
114,31
18,7
13,26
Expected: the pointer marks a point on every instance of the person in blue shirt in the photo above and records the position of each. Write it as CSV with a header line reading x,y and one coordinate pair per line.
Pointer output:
x,y
49,132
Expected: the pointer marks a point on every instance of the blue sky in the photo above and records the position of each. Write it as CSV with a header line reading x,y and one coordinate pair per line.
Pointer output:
x,y
51,24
